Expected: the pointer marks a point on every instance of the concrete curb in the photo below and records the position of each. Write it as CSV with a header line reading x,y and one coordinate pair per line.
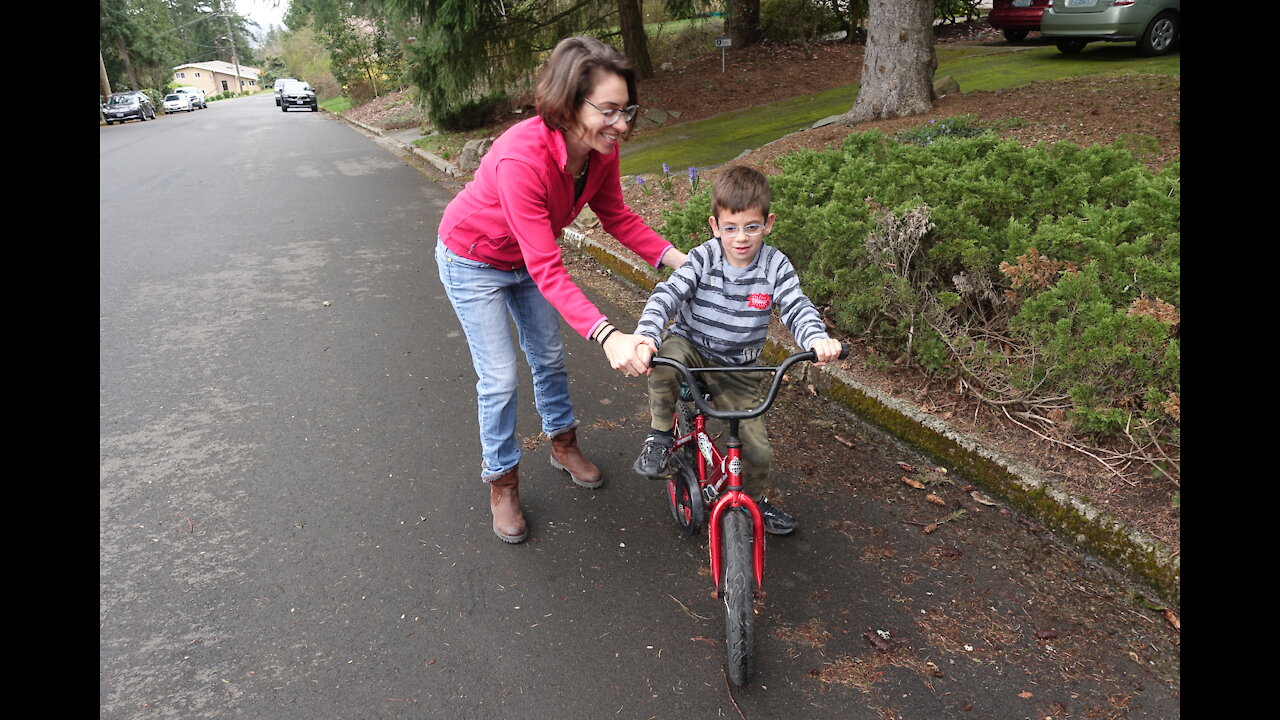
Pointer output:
x,y
436,161
1136,555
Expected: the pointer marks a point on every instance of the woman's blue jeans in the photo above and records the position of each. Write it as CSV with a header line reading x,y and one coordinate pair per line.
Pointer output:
x,y
484,298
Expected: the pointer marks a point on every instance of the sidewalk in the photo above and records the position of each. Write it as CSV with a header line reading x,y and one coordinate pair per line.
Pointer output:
x,y
1100,534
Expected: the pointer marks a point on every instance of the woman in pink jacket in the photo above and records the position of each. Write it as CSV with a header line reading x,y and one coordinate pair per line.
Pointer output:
x,y
499,258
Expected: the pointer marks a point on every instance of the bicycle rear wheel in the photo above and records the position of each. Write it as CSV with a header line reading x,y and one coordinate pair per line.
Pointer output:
x,y
738,590
685,411
683,497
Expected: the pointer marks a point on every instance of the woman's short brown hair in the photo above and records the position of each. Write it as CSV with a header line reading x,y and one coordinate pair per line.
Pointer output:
x,y
575,66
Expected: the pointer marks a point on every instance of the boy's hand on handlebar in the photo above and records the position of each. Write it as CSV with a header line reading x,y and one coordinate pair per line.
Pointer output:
x,y
645,349
826,350
629,354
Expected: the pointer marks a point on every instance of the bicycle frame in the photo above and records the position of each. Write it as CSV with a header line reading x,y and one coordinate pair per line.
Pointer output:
x,y
715,471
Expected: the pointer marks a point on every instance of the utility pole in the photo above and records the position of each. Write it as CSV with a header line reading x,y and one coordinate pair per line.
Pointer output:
x,y
103,81
234,57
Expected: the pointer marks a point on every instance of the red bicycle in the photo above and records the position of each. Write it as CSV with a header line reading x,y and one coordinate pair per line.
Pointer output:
x,y
707,481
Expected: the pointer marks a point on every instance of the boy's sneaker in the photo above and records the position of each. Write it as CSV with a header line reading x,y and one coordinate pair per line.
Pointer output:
x,y
776,520
654,456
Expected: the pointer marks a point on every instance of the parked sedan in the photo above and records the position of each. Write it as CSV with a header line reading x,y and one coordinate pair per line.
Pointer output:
x,y
129,105
298,94
279,85
1016,18
178,102
1155,24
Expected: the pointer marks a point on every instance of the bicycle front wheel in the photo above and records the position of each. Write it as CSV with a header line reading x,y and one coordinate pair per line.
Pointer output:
x,y
738,590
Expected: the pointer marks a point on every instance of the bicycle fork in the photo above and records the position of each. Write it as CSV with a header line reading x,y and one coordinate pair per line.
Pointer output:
x,y
731,500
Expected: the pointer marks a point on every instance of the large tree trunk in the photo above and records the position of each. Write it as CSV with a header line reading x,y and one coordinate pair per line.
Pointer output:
x,y
742,22
898,65
634,41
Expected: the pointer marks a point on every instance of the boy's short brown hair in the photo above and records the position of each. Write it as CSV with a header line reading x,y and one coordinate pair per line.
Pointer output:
x,y
575,66
740,188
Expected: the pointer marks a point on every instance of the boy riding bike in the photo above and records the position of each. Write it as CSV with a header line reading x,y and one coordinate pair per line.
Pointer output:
x,y
720,300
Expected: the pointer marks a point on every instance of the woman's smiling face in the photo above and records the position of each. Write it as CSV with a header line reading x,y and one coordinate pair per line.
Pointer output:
x,y
592,130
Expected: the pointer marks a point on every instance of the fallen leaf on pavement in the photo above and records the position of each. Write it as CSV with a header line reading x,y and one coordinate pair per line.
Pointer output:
x,y
935,500
913,483
907,466
930,528
1025,694
1172,618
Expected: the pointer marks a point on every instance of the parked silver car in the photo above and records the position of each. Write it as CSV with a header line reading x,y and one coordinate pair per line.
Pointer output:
x,y
298,94
1155,24
177,102
128,105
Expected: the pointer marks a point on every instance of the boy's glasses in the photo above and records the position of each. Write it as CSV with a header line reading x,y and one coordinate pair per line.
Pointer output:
x,y
752,230
614,115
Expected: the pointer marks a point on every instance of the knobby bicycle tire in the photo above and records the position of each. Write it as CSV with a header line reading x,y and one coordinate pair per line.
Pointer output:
x,y
684,499
684,425
739,596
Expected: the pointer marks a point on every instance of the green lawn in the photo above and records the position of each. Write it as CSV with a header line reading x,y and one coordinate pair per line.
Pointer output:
x,y
337,105
712,141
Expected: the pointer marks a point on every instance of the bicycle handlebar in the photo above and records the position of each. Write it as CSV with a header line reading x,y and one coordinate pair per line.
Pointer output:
x,y
687,372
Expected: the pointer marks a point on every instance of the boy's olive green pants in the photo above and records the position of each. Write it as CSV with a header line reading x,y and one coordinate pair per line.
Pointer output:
x,y
731,391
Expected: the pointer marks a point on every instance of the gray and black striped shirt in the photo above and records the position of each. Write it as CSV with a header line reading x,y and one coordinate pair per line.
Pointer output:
x,y
724,311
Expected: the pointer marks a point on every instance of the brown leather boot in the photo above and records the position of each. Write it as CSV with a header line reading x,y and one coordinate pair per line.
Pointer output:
x,y
504,503
566,456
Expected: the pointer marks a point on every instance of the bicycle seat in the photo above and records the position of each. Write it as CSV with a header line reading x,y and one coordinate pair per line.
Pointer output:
x,y
686,393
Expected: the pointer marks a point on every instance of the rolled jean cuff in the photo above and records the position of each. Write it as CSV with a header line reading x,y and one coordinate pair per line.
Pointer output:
x,y
561,431
490,477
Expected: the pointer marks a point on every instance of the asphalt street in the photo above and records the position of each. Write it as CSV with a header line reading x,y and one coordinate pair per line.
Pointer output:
x,y
292,523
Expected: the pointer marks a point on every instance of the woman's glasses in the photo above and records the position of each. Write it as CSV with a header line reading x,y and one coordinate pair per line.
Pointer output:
x,y
614,115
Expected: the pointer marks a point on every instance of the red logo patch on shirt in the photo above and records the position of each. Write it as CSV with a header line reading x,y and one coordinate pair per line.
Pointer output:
x,y
759,301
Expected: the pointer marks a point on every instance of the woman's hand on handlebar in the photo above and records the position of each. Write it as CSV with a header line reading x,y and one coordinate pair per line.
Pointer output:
x,y
826,350
629,354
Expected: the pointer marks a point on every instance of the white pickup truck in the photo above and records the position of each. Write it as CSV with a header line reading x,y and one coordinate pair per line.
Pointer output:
x,y
197,96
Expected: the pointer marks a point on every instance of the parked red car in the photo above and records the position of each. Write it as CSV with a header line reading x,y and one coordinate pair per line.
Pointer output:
x,y
1016,18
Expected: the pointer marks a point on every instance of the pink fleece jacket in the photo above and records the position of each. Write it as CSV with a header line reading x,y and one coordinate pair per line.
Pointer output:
x,y
510,215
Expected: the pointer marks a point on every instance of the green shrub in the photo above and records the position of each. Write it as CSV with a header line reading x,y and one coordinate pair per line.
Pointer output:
x,y
787,21
157,98
471,115
1047,276
960,126
954,11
